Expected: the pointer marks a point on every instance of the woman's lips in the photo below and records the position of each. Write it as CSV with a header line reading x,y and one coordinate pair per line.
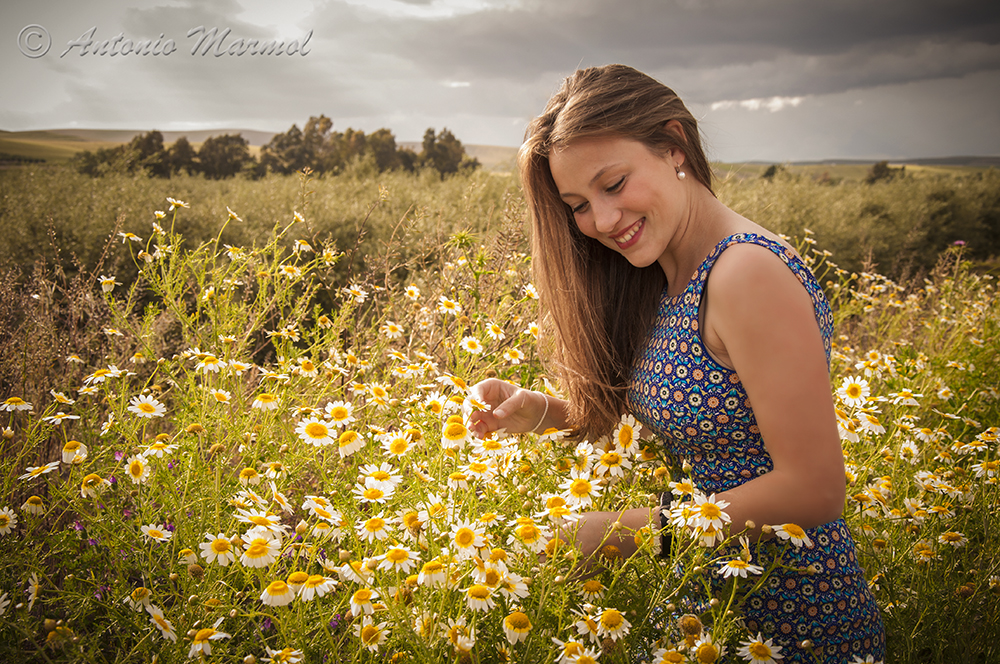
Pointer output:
x,y
628,238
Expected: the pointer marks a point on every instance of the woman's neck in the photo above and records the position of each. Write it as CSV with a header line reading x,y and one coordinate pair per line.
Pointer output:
x,y
707,223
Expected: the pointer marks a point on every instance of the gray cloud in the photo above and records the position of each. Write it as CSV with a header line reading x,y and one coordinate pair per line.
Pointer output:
x,y
811,47
484,67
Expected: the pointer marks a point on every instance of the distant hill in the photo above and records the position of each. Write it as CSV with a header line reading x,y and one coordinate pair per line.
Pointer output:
x,y
983,161
62,144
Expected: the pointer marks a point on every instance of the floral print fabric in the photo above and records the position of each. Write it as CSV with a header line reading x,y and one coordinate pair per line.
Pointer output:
x,y
701,412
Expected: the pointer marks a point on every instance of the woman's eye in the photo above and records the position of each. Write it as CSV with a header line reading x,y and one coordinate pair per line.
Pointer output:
x,y
616,186
579,208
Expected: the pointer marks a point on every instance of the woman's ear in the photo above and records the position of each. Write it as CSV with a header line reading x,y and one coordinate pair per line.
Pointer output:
x,y
675,128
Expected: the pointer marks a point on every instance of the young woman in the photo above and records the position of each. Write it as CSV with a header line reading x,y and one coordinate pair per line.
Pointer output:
x,y
664,303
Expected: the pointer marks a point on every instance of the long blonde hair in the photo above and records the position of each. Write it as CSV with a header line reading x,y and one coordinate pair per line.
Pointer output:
x,y
597,307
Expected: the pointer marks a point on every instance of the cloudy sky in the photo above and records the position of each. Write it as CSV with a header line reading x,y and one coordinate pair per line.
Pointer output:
x,y
771,80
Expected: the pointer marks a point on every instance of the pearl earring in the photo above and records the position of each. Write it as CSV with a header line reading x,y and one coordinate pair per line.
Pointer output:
x,y
681,175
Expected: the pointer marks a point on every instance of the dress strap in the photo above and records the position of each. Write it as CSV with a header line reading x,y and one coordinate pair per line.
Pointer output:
x,y
824,317
780,250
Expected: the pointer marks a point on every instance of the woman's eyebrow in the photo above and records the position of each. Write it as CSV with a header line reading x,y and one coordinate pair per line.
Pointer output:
x,y
594,179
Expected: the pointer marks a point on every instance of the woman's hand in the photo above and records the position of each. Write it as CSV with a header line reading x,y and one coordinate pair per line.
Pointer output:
x,y
595,530
513,409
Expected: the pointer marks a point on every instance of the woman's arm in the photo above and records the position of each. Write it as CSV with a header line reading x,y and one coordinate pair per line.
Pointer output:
x,y
763,324
515,409
760,320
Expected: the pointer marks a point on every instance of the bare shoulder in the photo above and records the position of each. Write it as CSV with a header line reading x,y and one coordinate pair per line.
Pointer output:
x,y
753,302
750,270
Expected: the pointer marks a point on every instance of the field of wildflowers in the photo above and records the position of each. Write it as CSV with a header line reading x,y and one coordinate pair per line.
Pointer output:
x,y
242,459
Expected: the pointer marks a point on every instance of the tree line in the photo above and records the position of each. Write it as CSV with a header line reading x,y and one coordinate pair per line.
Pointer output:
x,y
316,146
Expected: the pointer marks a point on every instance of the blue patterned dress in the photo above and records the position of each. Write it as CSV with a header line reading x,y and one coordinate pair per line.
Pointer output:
x,y
701,412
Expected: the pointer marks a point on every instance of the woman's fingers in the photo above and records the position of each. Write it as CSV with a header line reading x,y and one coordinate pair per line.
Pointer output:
x,y
512,408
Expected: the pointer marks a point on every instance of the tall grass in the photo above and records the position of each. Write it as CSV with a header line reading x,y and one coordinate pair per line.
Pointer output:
x,y
424,291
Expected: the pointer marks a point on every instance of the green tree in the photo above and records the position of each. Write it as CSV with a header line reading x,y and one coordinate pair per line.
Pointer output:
x,y
382,145
882,171
445,153
285,153
224,156
150,155
181,157
318,149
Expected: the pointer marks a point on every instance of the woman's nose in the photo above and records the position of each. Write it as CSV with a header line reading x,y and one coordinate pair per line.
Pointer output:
x,y
606,216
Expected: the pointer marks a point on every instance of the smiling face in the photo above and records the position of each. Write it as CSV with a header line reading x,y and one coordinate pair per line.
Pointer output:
x,y
622,194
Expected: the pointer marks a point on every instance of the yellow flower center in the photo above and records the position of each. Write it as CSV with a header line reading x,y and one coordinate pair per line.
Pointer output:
x,y
317,430
397,555
278,588
710,511
529,533
707,653
611,619
794,530
518,622
611,459
203,635
464,537
370,634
